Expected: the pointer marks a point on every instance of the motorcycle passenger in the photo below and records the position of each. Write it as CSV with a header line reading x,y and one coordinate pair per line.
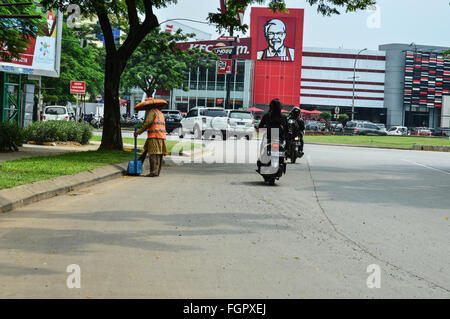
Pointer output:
x,y
273,120
296,129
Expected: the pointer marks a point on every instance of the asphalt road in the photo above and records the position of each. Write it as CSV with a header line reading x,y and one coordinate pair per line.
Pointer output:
x,y
216,231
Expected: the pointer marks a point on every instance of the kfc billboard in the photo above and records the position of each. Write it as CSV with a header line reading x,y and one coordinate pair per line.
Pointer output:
x,y
222,48
277,41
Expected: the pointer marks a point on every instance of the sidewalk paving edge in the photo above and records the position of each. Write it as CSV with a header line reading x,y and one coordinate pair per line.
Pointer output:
x,y
432,148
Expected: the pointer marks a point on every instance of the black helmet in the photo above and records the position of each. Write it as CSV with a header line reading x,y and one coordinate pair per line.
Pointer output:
x,y
295,112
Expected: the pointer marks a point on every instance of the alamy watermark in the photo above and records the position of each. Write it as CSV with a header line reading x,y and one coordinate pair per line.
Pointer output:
x,y
74,279
374,279
374,20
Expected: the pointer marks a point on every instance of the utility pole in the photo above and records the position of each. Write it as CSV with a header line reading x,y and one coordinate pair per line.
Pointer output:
x,y
354,82
231,75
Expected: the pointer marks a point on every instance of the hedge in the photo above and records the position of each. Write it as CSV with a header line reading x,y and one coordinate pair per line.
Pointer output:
x,y
11,134
59,131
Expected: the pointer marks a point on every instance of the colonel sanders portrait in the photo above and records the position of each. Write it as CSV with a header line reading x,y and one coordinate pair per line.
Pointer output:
x,y
275,34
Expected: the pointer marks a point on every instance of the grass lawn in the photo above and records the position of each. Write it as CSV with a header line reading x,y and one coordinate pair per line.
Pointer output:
x,y
27,170
169,144
396,141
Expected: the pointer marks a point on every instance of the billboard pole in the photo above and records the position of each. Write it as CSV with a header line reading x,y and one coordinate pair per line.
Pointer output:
x,y
230,76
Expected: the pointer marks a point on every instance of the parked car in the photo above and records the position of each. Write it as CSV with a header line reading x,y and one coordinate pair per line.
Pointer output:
x,y
240,124
312,125
398,131
201,120
421,131
173,119
441,131
56,112
363,128
381,126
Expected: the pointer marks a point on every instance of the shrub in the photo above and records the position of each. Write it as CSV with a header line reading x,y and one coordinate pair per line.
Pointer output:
x,y
59,131
11,134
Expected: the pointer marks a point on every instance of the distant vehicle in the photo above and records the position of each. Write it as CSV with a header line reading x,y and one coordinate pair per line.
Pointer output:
x,y
398,131
173,119
312,125
381,126
56,112
201,120
240,124
363,128
421,131
442,131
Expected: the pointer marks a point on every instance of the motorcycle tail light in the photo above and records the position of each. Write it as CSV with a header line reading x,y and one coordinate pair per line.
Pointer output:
x,y
275,146
45,118
67,118
356,129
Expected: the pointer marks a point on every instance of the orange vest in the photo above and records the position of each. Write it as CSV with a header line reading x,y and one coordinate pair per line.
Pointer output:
x,y
158,127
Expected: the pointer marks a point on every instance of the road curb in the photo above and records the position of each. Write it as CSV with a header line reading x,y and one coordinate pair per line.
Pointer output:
x,y
16,197
431,148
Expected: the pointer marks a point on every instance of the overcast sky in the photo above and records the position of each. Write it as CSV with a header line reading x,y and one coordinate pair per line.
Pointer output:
x,y
395,21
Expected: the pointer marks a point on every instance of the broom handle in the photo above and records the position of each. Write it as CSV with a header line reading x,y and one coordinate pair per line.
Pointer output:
x,y
135,151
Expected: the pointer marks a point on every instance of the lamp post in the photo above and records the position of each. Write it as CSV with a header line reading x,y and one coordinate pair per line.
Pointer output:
x,y
354,82
408,118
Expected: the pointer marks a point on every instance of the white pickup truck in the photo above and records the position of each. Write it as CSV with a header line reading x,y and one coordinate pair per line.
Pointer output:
x,y
205,122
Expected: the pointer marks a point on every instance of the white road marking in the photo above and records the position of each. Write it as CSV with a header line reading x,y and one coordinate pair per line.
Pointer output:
x,y
426,166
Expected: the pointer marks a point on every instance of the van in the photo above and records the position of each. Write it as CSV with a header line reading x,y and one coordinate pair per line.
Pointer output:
x,y
55,112
398,131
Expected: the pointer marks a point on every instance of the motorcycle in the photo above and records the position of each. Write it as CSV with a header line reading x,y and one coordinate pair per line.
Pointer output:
x,y
272,165
294,150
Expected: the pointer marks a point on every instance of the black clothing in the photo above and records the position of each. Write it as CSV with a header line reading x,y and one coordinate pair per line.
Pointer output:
x,y
272,122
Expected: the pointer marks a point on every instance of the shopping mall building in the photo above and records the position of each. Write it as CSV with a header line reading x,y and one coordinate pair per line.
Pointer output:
x,y
400,84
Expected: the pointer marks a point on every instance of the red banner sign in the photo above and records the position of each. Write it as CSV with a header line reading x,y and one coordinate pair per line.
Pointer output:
x,y
77,87
224,66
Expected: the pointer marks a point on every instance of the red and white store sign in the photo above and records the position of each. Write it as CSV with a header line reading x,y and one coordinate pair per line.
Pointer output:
x,y
224,66
219,101
243,48
77,87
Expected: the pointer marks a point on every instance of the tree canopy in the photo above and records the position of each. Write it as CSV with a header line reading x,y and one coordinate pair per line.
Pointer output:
x,y
15,33
158,64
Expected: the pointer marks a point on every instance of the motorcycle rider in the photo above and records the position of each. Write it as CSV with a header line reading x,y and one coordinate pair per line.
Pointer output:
x,y
295,129
273,120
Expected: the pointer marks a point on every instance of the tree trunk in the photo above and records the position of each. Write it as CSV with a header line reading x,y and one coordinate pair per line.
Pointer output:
x,y
112,134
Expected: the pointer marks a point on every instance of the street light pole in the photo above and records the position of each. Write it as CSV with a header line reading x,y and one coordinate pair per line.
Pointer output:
x,y
408,118
354,82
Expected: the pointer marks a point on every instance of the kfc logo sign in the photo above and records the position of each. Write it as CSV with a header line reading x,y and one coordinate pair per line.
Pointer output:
x,y
242,50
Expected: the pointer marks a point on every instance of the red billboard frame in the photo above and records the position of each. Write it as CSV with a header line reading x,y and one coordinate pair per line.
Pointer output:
x,y
277,77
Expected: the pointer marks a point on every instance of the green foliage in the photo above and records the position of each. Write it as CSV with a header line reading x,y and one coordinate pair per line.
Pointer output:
x,y
10,133
77,64
447,54
15,34
325,7
343,118
325,115
59,131
158,64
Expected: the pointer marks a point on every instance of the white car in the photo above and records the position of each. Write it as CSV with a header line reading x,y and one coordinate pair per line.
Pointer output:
x,y
240,124
205,122
55,112
398,131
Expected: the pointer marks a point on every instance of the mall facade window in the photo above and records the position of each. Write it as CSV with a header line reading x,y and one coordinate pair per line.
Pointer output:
x,y
205,87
